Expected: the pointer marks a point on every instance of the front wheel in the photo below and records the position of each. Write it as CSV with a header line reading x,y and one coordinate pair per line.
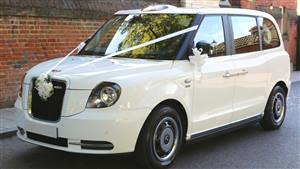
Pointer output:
x,y
275,110
161,138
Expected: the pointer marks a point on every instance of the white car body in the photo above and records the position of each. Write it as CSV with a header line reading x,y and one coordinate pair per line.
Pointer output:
x,y
210,100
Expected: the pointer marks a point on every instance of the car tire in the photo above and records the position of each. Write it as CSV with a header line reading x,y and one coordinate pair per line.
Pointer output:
x,y
275,109
160,139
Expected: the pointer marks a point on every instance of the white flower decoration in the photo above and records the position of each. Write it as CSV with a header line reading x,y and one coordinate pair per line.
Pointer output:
x,y
44,87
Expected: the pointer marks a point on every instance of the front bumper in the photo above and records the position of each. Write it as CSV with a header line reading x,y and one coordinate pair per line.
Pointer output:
x,y
120,128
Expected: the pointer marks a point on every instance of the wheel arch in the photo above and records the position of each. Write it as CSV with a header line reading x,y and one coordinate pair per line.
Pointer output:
x,y
280,83
178,106
268,121
283,85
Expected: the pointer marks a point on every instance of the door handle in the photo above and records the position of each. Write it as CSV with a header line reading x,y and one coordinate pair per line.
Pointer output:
x,y
228,74
188,81
243,72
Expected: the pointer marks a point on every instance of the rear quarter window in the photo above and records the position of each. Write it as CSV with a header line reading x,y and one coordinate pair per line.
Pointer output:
x,y
245,34
270,36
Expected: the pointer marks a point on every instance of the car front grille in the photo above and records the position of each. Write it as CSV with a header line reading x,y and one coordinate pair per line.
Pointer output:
x,y
49,110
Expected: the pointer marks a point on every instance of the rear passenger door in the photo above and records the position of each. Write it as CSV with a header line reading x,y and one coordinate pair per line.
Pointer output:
x,y
251,75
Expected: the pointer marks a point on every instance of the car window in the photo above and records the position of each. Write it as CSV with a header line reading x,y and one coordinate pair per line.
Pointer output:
x,y
270,38
245,34
126,31
210,36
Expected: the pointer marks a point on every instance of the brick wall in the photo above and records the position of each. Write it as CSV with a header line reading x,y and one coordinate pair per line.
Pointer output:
x,y
32,31
26,41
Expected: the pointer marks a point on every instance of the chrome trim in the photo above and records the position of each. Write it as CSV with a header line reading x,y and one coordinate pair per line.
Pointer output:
x,y
243,72
75,143
228,74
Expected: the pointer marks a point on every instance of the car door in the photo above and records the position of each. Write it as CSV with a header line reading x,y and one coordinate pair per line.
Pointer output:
x,y
213,90
251,80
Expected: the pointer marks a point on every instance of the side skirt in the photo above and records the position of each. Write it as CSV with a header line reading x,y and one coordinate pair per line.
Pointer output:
x,y
225,129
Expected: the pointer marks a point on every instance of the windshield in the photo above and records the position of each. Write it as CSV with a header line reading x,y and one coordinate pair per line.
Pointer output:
x,y
125,31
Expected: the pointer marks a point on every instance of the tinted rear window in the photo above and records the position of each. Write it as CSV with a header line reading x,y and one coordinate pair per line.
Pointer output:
x,y
270,38
245,34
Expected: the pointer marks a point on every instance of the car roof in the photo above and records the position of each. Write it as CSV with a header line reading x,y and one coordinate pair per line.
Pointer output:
x,y
168,9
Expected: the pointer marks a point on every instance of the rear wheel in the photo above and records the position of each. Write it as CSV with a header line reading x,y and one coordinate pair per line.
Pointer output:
x,y
161,138
275,110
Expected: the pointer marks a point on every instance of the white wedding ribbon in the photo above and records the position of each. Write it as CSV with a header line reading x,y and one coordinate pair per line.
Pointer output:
x,y
172,35
58,63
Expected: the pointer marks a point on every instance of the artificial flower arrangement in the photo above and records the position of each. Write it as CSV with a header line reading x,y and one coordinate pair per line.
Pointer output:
x,y
44,86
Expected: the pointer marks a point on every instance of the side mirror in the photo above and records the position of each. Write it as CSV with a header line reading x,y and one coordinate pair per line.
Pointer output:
x,y
198,59
205,46
80,46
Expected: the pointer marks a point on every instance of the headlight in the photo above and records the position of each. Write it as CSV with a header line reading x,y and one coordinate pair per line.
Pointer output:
x,y
104,95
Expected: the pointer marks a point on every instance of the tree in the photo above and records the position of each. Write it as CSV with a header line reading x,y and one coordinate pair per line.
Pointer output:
x,y
144,28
